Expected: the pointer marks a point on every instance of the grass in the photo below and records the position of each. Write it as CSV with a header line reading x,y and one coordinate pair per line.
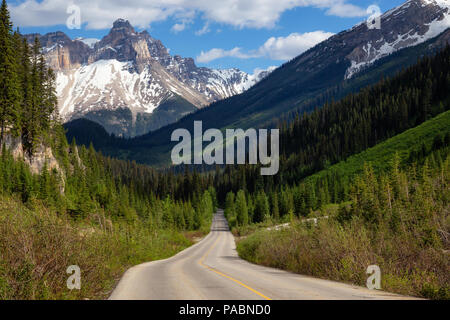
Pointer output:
x,y
37,245
330,251
243,231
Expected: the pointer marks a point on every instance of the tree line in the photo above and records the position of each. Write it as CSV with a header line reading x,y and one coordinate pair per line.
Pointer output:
x,y
314,141
86,181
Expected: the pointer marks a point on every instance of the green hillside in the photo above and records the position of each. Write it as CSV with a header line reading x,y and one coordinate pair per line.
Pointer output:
x,y
404,144
387,206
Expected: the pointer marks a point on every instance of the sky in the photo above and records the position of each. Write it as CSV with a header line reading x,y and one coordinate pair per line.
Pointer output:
x,y
243,34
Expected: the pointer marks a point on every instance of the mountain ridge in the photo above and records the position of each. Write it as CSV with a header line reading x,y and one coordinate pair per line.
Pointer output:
x,y
153,148
131,70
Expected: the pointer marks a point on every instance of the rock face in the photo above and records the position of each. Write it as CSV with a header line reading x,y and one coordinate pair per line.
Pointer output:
x,y
61,52
41,157
122,80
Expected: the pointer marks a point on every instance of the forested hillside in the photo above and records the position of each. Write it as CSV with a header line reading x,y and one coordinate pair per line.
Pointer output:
x,y
359,121
99,213
387,205
314,141
396,219
317,140
27,94
284,94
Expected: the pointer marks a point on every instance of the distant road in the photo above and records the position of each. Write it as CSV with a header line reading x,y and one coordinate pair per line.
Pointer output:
x,y
212,270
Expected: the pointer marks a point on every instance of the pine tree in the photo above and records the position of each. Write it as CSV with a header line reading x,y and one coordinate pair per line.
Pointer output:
x,y
241,209
27,96
49,99
229,206
275,206
261,208
9,87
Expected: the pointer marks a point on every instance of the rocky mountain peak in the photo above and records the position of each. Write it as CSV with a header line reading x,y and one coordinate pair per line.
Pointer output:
x,y
56,37
121,29
128,81
49,39
122,24
123,43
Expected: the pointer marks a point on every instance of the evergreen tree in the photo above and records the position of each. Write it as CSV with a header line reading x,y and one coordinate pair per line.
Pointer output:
x,y
9,86
229,206
241,209
262,211
27,96
275,206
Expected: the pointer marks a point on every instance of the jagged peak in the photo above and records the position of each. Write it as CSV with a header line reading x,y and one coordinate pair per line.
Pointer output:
x,y
419,3
441,3
122,24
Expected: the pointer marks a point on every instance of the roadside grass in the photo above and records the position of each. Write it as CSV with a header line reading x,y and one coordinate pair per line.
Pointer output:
x,y
243,231
343,253
37,245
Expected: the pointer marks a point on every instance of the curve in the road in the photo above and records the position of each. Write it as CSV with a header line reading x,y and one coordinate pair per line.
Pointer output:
x,y
212,270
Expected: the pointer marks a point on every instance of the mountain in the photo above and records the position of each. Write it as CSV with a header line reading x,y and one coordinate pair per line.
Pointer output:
x,y
129,83
321,74
60,51
410,24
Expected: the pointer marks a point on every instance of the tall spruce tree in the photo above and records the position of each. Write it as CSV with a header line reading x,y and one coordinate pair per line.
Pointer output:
x,y
27,96
37,79
9,86
241,208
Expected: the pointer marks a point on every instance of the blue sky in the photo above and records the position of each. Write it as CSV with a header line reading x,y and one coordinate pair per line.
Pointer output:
x,y
246,34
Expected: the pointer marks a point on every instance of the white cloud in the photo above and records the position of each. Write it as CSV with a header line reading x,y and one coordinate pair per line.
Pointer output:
x,y
280,48
184,18
286,48
178,27
238,13
217,53
203,30
346,10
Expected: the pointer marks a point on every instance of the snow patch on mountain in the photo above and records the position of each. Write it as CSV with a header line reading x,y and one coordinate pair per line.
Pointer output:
x,y
89,41
257,76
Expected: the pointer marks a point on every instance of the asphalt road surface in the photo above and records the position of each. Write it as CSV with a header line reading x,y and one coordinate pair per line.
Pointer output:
x,y
212,270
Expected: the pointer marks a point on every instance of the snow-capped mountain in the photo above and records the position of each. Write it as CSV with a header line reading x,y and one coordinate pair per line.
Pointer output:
x,y
409,24
129,83
127,75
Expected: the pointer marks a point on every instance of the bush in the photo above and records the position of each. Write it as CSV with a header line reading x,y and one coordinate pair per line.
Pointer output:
x,y
37,246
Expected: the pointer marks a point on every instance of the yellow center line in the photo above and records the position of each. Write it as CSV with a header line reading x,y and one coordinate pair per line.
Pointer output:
x,y
225,275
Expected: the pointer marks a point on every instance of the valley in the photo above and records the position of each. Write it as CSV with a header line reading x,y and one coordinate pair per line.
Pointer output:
x,y
360,157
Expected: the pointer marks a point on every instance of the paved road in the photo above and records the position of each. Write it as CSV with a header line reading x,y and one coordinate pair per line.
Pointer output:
x,y
212,270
